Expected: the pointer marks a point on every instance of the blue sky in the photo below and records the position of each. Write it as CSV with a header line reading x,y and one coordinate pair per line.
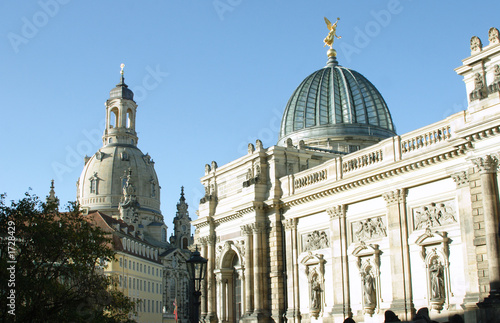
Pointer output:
x,y
209,76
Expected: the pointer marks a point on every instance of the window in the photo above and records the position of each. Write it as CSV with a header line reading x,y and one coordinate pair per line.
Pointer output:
x,y
125,282
121,261
164,235
149,287
129,262
141,268
140,285
120,281
125,263
133,283
129,282
157,272
149,270
133,265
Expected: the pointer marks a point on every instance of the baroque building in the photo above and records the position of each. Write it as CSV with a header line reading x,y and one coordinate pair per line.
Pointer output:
x,y
345,218
120,191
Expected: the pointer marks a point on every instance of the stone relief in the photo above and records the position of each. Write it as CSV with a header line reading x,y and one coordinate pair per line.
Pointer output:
x,y
495,86
372,228
315,271
368,263
434,215
315,240
478,92
475,44
493,36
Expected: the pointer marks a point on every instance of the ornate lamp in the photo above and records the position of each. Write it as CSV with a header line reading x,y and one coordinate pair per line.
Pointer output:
x,y
198,267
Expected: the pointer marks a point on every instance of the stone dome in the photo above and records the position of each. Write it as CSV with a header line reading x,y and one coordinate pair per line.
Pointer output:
x,y
101,183
119,176
338,109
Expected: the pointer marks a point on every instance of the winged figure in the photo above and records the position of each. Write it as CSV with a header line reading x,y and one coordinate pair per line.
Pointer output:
x,y
332,34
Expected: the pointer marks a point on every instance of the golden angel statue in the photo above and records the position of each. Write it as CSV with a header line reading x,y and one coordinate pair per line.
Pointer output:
x,y
332,34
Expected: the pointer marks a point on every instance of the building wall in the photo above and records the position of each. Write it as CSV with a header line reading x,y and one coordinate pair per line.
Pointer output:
x,y
399,225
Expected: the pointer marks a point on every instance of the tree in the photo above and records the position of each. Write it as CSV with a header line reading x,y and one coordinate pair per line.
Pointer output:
x,y
51,265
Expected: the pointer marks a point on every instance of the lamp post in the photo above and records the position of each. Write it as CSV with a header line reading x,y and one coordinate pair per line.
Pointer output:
x,y
198,267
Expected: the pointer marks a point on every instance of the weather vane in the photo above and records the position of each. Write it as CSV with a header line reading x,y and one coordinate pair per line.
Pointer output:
x,y
122,66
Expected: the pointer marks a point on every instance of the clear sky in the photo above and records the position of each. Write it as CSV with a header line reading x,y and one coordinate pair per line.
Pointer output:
x,y
209,76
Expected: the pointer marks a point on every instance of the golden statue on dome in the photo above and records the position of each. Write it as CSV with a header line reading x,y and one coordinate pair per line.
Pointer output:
x,y
332,34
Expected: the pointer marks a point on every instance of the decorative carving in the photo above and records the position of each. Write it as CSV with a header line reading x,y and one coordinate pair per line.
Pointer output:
x,y
493,36
434,215
258,145
210,192
129,207
302,144
246,229
394,197
251,148
487,164
495,86
214,165
315,272
207,169
290,224
436,273
369,229
437,266
314,241
258,227
336,211
478,93
254,175
289,143
369,270
147,158
475,45
362,161
461,179
99,155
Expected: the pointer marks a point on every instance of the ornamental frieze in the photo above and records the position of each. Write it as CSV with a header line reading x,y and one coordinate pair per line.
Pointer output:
x,y
369,229
434,215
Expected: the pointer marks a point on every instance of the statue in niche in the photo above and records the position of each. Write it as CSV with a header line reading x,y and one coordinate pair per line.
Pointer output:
x,y
315,291
436,272
369,293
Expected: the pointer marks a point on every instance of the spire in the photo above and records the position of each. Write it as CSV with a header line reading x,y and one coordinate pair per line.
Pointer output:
x,y
121,91
182,194
52,198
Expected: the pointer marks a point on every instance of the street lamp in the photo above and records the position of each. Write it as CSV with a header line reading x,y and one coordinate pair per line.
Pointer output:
x,y
198,266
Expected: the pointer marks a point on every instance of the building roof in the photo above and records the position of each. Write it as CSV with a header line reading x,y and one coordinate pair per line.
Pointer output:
x,y
335,102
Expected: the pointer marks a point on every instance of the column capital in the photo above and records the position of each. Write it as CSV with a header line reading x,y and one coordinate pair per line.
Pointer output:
x,y
461,179
336,211
246,229
395,197
290,224
258,227
487,164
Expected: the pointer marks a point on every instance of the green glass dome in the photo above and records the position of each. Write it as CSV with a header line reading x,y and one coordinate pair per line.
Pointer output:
x,y
336,108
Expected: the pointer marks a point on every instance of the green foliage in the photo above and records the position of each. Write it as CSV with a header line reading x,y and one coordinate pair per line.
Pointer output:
x,y
57,261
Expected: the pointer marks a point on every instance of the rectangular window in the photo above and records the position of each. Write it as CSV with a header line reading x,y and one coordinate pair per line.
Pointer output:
x,y
124,263
133,265
121,261
149,305
149,286
125,282
129,264
133,283
129,282
120,281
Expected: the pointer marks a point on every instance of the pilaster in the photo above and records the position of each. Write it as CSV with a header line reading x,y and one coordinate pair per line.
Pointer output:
x,y
402,303
341,296
293,306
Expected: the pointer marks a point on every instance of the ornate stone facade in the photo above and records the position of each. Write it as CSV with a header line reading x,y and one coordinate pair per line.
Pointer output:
x,y
319,235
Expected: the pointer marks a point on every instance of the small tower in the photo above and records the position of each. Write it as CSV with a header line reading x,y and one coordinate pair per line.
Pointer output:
x,y
52,198
120,115
182,225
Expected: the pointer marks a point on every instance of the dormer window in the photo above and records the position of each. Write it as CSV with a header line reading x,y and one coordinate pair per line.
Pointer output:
x,y
94,181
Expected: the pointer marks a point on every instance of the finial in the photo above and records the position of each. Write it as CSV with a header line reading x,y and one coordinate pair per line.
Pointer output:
x,y
122,66
330,38
122,78
182,194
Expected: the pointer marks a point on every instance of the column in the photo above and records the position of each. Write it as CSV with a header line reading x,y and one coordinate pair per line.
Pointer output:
x,y
397,232
488,168
469,250
259,298
293,307
342,303
246,231
211,284
203,299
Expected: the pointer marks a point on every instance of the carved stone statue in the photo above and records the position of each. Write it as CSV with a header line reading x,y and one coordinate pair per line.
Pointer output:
x,y
493,36
475,44
330,38
369,293
315,293
436,272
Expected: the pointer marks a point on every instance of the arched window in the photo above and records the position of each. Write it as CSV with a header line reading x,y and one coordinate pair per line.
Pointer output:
x,y
113,118
129,119
184,243
163,235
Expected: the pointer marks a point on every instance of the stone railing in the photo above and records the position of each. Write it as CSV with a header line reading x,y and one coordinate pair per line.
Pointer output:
x,y
310,179
356,162
427,137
